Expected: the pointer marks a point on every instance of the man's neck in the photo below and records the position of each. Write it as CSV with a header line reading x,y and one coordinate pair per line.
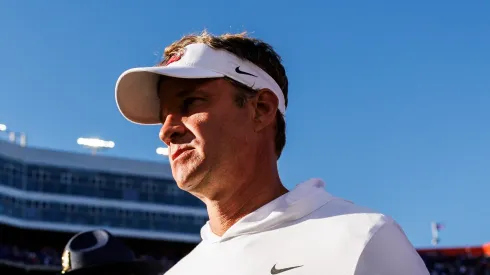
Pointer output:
x,y
248,197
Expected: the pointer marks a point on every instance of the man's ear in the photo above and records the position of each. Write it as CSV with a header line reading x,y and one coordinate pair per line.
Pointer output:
x,y
265,104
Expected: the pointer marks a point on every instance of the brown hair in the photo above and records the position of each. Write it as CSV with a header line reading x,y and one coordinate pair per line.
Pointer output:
x,y
253,50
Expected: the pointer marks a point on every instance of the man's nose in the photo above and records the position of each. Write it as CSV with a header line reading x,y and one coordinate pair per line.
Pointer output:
x,y
172,128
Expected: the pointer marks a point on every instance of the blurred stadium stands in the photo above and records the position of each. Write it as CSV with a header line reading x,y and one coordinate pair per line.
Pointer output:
x,y
458,260
47,196
464,260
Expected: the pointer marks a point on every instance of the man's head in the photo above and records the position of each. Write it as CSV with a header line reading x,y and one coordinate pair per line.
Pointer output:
x,y
223,97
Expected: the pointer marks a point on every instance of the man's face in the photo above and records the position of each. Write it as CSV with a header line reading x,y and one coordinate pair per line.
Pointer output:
x,y
205,131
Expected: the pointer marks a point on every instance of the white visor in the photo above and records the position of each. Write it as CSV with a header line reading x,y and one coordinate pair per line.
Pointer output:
x,y
137,91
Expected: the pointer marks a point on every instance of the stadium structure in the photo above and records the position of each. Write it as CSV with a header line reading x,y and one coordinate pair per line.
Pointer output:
x,y
47,196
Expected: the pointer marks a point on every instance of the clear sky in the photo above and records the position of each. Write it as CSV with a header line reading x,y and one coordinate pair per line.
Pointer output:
x,y
389,100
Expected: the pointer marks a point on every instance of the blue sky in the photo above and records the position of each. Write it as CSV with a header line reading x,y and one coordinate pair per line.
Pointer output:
x,y
389,100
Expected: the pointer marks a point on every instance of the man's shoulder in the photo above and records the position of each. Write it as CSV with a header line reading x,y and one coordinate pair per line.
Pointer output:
x,y
352,223
343,211
362,228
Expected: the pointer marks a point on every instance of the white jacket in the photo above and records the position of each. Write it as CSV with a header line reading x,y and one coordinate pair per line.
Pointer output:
x,y
306,232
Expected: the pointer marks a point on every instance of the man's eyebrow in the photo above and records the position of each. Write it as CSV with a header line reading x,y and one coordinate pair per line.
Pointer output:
x,y
182,94
185,93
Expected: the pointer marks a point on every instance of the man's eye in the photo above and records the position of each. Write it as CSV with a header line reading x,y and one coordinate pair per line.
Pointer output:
x,y
188,102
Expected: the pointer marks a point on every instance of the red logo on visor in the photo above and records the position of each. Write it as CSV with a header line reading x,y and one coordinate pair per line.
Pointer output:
x,y
176,57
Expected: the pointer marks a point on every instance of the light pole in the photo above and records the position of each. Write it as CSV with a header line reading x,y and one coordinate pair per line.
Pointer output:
x,y
95,144
436,227
12,136
163,151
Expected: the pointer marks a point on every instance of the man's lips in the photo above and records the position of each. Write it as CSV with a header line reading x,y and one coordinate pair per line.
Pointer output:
x,y
179,152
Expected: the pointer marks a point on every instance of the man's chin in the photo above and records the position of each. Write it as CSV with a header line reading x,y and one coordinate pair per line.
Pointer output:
x,y
190,177
187,182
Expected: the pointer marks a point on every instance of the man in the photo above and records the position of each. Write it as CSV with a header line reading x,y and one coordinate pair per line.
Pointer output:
x,y
221,101
97,252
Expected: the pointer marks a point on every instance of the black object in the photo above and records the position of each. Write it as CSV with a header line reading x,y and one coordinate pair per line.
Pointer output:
x,y
98,252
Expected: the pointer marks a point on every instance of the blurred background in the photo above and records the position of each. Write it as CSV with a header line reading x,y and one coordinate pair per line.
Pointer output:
x,y
388,103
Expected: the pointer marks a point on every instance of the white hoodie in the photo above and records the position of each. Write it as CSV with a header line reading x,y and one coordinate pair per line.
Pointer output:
x,y
305,232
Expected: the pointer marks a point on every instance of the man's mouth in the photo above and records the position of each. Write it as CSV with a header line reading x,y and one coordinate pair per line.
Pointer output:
x,y
179,152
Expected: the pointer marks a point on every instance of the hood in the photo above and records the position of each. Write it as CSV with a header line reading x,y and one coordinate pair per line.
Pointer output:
x,y
305,198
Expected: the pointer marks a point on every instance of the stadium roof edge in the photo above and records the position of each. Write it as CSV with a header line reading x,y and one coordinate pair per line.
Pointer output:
x,y
49,157
476,250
